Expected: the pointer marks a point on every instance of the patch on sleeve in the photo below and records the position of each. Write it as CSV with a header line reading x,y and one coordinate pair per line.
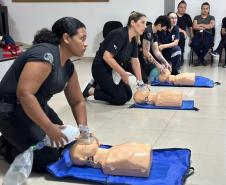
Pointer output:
x,y
149,36
115,47
48,57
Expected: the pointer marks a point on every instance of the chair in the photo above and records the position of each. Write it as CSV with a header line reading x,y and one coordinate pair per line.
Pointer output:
x,y
191,61
111,25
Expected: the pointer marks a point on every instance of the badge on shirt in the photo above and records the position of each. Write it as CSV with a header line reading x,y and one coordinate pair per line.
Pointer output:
x,y
115,47
48,57
149,36
173,37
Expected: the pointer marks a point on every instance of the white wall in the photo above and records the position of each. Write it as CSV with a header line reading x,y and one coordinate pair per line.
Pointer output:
x,y
217,9
26,18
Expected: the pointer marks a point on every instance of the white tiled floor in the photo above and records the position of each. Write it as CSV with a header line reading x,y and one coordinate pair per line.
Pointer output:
x,y
204,132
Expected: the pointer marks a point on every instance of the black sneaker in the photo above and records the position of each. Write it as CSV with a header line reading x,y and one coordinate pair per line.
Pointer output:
x,y
214,53
224,66
87,87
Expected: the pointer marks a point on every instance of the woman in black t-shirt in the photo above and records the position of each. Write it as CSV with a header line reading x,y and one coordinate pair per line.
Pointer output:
x,y
118,48
184,22
42,71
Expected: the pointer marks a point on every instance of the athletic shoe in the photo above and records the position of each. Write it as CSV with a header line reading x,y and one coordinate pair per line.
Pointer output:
x,y
214,53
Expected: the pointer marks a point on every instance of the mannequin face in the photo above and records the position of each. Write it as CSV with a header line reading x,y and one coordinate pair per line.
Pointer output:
x,y
164,77
144,96
81,153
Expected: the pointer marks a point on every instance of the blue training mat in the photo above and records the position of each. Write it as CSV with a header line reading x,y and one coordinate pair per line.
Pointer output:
x,y
200,81
186,105
169,167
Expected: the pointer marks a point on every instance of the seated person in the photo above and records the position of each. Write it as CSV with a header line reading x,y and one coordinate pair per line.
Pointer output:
x,y
222,44
149,54
203,38
129,159
169,43
180,79
168,98
184,22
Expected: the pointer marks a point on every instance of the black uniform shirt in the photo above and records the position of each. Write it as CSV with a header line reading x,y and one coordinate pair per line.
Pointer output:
x,y
55,82
149,35
117,42
184,21
169,36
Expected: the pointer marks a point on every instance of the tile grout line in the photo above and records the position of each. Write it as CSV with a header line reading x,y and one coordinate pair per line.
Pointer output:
x,y
164,129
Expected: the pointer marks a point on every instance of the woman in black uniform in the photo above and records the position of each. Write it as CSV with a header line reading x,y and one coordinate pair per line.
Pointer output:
x,y
117,49
42,71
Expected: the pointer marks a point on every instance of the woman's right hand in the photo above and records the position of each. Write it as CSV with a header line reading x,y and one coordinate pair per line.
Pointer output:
x,y
57,138
160,67
125,77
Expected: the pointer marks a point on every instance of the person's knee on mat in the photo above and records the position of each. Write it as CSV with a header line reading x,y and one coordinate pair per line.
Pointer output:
x,y
44,157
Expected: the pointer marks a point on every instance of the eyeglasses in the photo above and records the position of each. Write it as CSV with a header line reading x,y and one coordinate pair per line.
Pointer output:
x,y
173,17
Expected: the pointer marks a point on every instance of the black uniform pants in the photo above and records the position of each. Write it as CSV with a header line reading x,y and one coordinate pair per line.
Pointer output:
x,y
201,43
174,56
182,45
221,45
106,89
20,132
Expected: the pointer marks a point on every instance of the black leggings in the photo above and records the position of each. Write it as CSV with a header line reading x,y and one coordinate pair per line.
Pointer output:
x,y
221,45
106,89
20,132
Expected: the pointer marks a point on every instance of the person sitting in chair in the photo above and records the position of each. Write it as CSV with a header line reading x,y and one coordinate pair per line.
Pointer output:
x,y
203,26
222,44
169,43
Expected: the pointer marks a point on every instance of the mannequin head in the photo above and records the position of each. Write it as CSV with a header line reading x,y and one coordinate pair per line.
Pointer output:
x,y
164,77
81,153
145,96
172,78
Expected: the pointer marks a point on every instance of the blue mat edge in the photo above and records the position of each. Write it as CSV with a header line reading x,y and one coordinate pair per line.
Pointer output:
x,y
142,106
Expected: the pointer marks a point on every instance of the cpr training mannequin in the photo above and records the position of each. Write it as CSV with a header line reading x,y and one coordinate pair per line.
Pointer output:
x,y
169,98
129,159
180,79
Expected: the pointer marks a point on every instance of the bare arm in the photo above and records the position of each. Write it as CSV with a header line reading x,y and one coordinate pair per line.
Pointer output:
x,y
197,26
209,26
223,31
170,45
136,68
32,77
158,54
191,34
183,31
76,100
146,51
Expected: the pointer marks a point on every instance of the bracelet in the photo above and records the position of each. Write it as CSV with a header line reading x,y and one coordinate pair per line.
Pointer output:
x,y
140,82
83,128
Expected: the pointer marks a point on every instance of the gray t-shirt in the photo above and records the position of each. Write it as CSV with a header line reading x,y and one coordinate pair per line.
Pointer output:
x,y
201,20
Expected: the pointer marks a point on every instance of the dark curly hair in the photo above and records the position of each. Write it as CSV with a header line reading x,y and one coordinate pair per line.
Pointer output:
x,y
67,25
